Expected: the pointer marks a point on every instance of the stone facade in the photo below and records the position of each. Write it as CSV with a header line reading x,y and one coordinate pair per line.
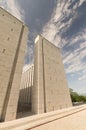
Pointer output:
x,y
13,38
50,91
26,87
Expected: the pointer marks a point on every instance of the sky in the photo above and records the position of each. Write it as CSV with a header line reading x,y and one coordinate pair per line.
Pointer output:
x,y
62,22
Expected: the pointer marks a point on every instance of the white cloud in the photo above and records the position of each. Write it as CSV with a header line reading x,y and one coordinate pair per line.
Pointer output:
x,y
29,53
68,58
81,1
82,78
72,59
74,62
12,7
53,28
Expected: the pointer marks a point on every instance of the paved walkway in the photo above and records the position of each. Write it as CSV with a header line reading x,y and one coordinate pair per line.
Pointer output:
x,y
75,121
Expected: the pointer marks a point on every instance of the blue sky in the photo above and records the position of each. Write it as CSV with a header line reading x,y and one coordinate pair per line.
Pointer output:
x,y
63,22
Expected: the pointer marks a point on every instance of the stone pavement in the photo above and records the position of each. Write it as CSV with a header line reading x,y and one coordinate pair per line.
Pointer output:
x,y
73,118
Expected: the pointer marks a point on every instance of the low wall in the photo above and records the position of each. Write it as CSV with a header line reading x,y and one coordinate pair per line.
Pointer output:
x,y
47,121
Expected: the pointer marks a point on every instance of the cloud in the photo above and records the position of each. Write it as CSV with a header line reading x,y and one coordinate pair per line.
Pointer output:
x,y
75,60
82,78
65,22
13,7
61,19
66,30
29,53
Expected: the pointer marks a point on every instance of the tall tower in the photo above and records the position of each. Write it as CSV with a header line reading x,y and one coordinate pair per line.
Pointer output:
x,y
13,38
50,90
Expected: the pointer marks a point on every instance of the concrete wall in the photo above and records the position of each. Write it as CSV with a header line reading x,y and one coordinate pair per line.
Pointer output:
x,y
26,87
13,38
50,91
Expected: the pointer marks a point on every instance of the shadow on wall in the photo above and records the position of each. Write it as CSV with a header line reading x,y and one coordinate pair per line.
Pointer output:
x,y
24,103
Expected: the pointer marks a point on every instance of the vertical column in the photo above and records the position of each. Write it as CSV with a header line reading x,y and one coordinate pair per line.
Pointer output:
x,y
37,90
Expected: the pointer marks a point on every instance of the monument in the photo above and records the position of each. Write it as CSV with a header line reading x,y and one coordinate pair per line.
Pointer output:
x,y
50,90
43,86
13,38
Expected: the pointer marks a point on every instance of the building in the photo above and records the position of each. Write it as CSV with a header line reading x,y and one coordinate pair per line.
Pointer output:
x,y
43,84
50,90
26,88
13,38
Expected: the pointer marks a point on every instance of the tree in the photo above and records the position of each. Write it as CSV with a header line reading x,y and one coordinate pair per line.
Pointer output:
x,y
76,97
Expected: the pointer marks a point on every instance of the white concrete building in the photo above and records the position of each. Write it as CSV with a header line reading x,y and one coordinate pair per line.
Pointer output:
x,y
26,87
